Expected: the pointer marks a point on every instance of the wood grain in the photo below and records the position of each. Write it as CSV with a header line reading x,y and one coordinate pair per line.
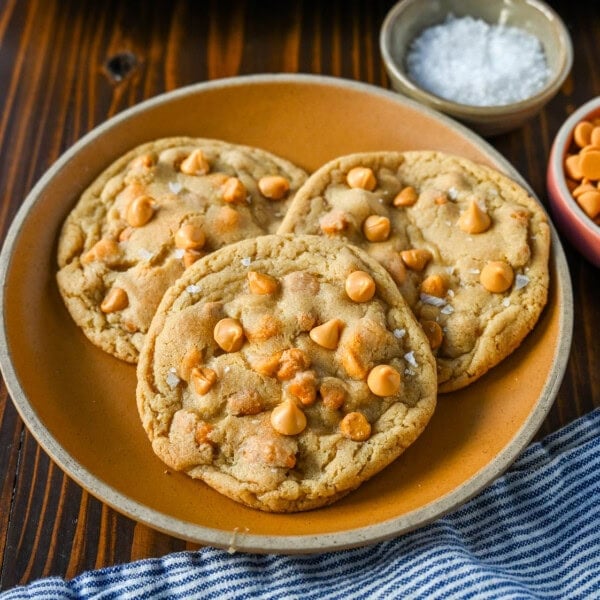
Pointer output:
x,y
66,66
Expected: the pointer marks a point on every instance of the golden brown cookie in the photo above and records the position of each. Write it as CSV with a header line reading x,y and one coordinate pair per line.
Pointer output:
x,y
151,214
284,371
466,245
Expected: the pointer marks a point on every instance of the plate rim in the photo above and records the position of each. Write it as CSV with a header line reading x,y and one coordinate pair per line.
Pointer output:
x,y
235,540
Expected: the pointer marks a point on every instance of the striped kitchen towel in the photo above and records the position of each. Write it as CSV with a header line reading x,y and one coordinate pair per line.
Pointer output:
x,y
534,533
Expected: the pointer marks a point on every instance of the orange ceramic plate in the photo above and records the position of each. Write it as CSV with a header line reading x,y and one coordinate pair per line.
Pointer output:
x,y
79,402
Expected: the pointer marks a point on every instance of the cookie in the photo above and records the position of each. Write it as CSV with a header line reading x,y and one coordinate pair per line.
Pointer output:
x,y
150,215
466,245
284,371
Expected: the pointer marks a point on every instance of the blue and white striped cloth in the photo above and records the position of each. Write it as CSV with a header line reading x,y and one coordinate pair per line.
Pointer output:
x,y
534,533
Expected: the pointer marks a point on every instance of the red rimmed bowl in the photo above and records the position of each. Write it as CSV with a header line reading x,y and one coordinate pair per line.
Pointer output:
x,y
569,217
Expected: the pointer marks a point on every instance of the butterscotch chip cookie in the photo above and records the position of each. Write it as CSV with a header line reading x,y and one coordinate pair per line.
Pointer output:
x,y
264,378
467,247
150,215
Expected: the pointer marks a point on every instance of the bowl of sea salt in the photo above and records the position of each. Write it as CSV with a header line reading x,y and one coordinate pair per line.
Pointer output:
x,y
492,65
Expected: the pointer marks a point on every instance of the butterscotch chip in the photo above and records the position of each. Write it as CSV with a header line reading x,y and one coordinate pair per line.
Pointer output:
x,y
151,215
245,402
589,163
474,219
274,187
434,333
582,134
202,433
416,258
361,177
190,237
265,365
105,250
304,387
115,300
195,164
497,276
203,379
261,283
192,358
234,191
229,334
327,334
288,428
334,222
448,218
573,167
384,380
360,286
376,228
434,285
140,211
333,393
355,427
291,362
589,200
190,257
288,419
406,197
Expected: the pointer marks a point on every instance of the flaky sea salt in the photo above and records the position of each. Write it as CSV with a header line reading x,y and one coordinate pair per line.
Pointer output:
x,y
521,281
409,357
399,333
433,300
192,289
472,62
145,254
246,261
447,310
172,379
175,187
178,252
506,302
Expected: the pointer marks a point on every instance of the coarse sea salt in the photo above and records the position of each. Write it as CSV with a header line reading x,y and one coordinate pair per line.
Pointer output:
x,y
433,300
521,281
469,61
447,310
172,379
409,357
192,289
175,187
246,261
145,254
399,333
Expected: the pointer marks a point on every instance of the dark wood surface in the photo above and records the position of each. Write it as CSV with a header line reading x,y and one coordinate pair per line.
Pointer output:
x,y
68,65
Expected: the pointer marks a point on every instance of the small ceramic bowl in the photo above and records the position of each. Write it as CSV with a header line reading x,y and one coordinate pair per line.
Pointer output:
x,y
570,218
407,19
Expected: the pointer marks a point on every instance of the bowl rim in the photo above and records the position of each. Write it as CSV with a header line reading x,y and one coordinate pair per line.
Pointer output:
x,y
292,544
458,108
560,145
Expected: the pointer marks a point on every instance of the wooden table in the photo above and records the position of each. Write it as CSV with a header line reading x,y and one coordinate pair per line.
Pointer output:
x,y
66,66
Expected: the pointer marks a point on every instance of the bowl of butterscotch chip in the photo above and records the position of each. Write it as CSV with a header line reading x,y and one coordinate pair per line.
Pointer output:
x,y
573,179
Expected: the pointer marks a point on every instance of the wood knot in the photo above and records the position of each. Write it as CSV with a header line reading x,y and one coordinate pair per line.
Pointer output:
x,y
120,66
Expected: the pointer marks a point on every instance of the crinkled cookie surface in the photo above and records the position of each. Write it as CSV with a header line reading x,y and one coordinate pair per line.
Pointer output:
x,y
284,371
149,216
466,245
